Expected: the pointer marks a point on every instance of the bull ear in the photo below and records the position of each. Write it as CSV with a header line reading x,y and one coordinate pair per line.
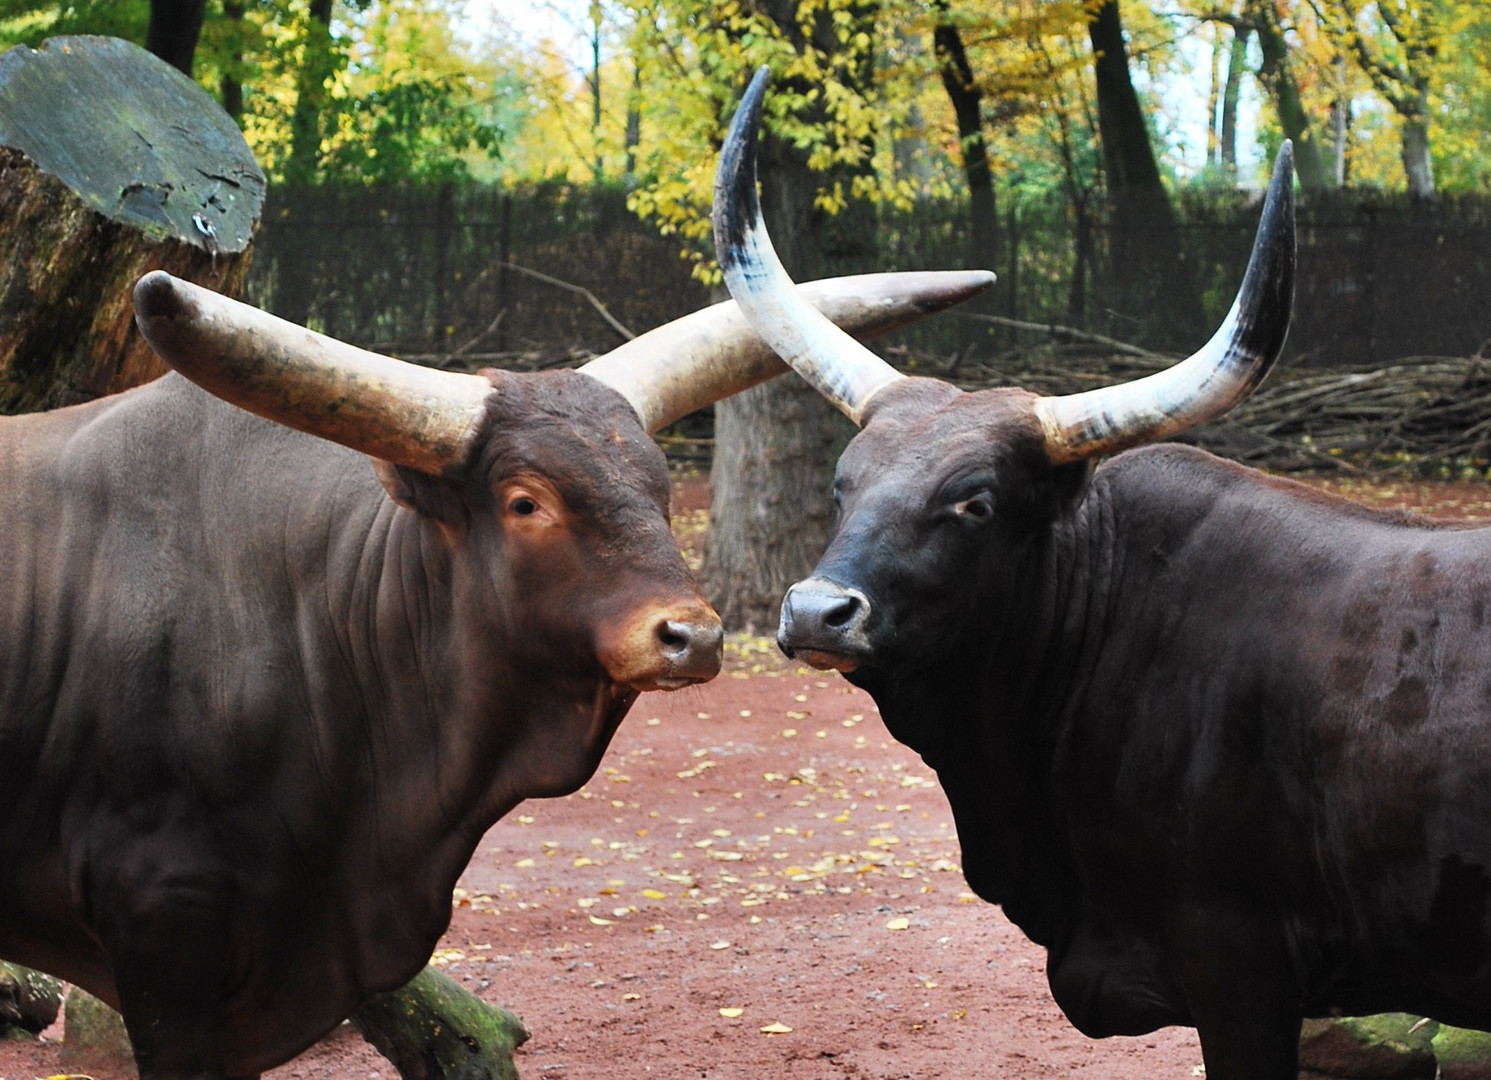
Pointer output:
x,y
426,495
1069,483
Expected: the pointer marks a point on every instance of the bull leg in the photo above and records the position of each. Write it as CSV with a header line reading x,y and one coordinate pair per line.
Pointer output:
x,y
1241,995
169,972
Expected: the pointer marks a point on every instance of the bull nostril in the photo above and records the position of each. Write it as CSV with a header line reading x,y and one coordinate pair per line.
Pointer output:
x,y
674,636
841,613
679,638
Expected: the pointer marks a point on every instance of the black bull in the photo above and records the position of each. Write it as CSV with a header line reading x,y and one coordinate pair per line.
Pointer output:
x,y
1220,743
260,698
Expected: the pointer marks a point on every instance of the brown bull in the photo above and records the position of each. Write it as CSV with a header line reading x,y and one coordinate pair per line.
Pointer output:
x,y
259,699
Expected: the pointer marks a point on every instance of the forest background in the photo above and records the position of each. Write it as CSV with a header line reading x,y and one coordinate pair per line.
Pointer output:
x,y
977,106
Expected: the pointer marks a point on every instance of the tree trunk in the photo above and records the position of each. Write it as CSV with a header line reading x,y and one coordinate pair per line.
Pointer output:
x,y
1340,128
92,198
775,447
966,98
1076,301
1150,281
1214,100
633,124
433,1029
1231,94
1417,164
303,164
983,211
174,28
317,66
230,88
93,1036
1275,74
29,1001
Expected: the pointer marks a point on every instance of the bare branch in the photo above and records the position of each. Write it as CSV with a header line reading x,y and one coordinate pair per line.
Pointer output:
x,y
1057,330
586,293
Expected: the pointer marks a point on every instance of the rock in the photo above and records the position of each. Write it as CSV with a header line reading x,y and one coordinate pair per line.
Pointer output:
x,y
1389,1046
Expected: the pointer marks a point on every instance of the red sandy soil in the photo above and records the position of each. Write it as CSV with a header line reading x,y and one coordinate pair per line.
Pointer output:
x,y
759,882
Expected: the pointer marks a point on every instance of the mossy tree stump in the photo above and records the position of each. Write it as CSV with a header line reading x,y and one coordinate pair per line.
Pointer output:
x,y
29,1001
431,1028
112,163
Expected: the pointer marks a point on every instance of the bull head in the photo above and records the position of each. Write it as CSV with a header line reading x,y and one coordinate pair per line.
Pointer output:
x,y
919,490
579,492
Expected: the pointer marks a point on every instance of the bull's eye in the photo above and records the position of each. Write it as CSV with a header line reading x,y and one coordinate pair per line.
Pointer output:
x,y
523,506
980,508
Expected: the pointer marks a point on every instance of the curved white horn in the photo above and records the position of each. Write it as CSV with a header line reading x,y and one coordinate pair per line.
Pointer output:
x,y
691,362
404,413
837,366
1226,370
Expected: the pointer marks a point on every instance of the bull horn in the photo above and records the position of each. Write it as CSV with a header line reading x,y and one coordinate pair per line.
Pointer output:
x,y
1226,370
701,358
837,366
426,418
411,415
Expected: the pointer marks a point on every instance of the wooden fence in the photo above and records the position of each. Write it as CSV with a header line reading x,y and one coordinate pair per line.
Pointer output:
x,y
542,275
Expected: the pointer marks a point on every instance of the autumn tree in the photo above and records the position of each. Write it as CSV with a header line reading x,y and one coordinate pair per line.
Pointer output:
x,y
1278,76
1146,247
1396,45
966,95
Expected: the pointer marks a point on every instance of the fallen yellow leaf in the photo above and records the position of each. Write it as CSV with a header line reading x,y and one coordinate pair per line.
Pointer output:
x,y
776,1028
598,921
731,1013
654,894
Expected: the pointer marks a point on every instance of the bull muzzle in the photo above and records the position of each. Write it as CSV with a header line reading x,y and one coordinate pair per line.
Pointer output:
x,y
825,624
665,650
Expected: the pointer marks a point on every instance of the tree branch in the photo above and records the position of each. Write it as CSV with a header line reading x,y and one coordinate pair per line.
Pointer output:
x,y
611,320
1057,330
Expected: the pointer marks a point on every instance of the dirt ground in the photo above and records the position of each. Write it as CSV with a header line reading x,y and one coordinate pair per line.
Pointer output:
x,y
759,882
